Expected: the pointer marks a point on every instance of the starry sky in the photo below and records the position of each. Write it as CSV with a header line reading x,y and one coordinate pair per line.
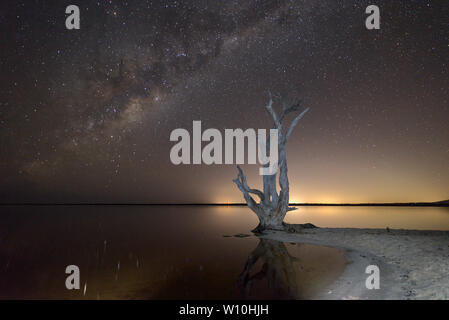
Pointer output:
x,y
86,115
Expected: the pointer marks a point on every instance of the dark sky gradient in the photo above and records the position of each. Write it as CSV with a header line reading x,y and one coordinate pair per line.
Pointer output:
x,y
86,115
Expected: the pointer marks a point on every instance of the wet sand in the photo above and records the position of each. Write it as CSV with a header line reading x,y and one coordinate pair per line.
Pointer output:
x,y
414,264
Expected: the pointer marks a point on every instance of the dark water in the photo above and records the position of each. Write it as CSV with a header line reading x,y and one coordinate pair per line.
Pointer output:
x,y
175,252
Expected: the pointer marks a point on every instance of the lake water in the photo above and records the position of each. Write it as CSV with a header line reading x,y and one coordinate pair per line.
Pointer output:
x,y
176,252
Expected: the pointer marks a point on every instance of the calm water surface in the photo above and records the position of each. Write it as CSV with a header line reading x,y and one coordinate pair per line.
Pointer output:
x,y
176,252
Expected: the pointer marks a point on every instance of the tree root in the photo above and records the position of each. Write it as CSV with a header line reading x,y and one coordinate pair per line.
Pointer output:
x,y
287,227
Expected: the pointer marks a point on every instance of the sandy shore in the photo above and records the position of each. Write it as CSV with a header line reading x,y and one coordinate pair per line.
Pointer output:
x,y
413,264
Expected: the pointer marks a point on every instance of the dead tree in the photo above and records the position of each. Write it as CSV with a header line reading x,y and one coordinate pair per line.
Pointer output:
x,y
273,206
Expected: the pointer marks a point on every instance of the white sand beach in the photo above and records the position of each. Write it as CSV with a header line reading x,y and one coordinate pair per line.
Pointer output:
x,y
413,264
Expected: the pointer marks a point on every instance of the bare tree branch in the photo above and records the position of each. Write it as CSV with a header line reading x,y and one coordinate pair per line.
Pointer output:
x,y
286,110
273,113
241,179
294,123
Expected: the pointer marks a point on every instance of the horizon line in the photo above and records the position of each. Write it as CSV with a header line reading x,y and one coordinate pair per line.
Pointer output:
x,y
442,203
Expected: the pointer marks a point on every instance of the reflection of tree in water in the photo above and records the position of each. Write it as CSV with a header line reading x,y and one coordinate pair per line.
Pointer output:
x,y
278,269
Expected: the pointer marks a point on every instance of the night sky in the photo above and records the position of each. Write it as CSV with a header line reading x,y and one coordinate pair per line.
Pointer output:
x,y
86,115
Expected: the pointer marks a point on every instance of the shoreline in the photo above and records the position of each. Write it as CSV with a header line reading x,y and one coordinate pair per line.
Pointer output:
x,y
440,204
413,264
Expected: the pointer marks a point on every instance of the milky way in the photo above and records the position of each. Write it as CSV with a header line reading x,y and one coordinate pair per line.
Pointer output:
x,y
85,115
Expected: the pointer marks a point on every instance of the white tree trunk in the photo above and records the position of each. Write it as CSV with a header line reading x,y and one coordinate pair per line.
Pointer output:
x,y
272,207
